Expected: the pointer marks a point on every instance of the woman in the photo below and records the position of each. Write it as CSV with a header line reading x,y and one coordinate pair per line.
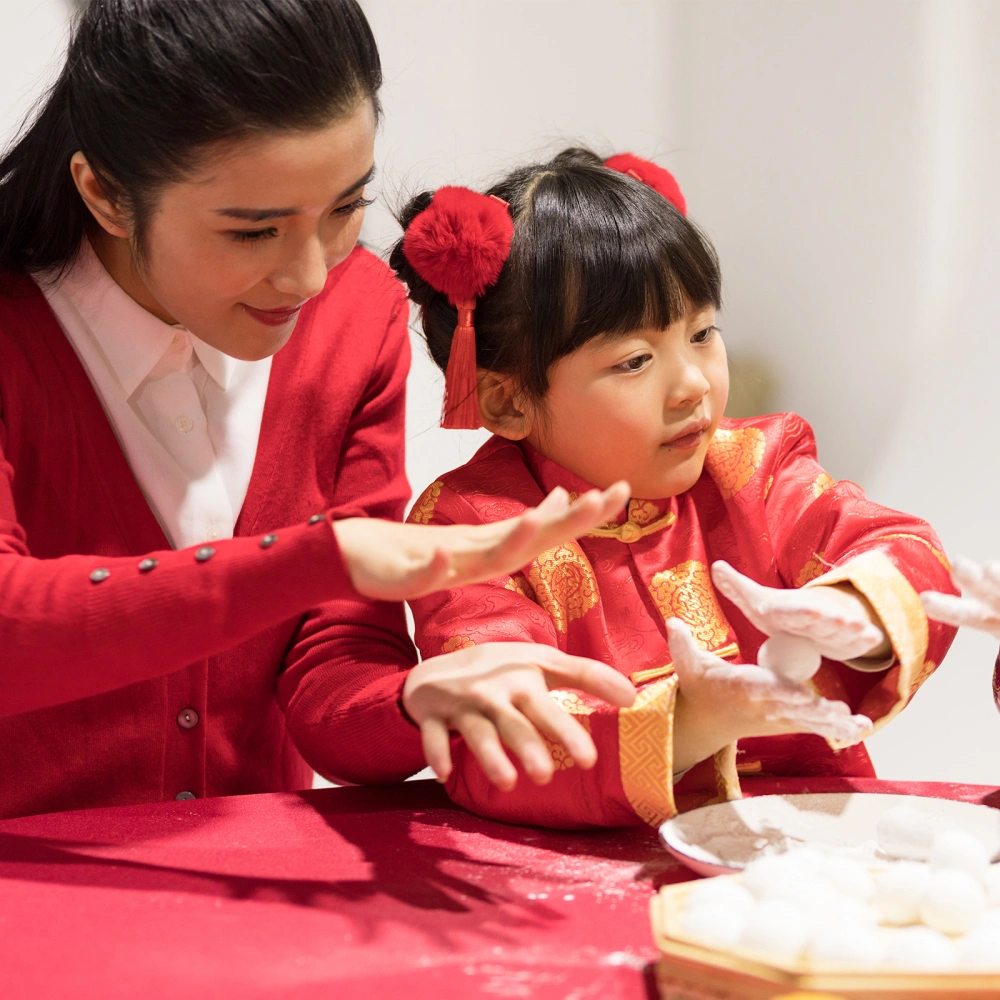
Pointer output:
x,y
201,432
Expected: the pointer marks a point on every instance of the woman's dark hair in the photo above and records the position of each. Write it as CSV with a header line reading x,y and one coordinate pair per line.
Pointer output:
x,y
148,85
594,253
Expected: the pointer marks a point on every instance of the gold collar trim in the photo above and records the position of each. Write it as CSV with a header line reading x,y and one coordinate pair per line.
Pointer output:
x,y
638,677
630,532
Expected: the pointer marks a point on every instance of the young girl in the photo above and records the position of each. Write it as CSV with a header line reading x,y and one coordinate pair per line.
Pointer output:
x,y
585,339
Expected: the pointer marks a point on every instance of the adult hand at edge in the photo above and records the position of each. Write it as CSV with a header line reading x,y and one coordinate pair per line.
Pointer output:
x,y
497,695
395,562
979,605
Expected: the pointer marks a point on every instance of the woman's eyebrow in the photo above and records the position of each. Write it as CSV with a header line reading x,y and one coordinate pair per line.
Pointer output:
x,y
261,214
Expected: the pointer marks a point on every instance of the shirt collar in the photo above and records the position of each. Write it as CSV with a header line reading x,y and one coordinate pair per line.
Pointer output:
x,y
131,338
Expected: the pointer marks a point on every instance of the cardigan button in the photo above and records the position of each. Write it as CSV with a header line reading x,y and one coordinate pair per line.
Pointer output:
x,y
204,553
267,541
187,718
147,564
316,518
99,575
185,796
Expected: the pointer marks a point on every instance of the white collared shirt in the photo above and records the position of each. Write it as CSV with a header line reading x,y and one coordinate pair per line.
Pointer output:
x,y
187,416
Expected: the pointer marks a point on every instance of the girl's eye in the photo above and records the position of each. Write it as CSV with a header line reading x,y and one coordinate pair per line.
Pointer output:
x,y
704,336
354,206
635,364
253,235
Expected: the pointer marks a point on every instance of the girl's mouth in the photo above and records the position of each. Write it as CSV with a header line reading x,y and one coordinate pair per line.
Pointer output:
x,y
272,317
690,437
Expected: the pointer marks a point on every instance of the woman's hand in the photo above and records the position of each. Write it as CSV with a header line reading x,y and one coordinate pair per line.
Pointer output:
x,y
719,702
497,695
979,605
398,562
839,622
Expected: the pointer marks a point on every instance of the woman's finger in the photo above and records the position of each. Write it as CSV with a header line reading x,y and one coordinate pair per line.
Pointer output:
x,y
437,749
560,727
562,670
483,740
524,741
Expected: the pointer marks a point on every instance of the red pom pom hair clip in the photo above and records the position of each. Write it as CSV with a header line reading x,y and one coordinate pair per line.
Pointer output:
x,y
648,173
459,245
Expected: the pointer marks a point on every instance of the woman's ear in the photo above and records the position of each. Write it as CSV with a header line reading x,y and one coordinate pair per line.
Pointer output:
x,y
505,411
105,210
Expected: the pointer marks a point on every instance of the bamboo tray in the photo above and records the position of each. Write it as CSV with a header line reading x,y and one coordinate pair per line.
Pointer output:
x,y
688,971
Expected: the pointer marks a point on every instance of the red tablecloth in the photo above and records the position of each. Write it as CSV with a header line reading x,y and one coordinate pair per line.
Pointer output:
x,y
349,892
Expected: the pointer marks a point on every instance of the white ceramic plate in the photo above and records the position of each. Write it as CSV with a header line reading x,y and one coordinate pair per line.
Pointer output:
x,y
724,838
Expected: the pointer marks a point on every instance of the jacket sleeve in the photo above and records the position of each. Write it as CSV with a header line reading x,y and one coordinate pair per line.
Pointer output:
x,y
632,782
343,674
826,532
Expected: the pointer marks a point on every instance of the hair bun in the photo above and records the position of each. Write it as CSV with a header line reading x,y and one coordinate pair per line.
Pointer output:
x,y
460,242
650,174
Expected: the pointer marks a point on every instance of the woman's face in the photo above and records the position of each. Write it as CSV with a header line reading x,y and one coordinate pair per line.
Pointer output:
x,y
235,250
642,407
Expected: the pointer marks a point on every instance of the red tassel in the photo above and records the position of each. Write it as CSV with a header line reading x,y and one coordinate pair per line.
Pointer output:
x,y
461,382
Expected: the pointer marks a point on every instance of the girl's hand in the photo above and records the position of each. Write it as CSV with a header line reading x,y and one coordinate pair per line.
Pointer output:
x,y
839,622
397,562
719,702
979,605
496,695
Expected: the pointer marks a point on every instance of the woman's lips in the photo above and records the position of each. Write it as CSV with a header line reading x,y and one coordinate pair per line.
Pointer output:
x,y
272,317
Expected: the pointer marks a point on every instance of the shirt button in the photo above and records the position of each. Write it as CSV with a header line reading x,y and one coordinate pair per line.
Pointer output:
x,y
204,553
267,541
184,424
185,796
316,518
99,575
187,718
147,564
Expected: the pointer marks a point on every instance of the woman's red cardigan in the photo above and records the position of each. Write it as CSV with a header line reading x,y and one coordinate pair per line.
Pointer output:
x,y
200,676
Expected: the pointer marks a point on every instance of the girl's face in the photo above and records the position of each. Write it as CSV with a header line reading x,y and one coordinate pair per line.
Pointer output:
x,y
642,407
236,249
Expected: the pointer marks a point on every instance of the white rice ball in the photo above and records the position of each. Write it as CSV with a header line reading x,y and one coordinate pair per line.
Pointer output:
x,y
763,874
714,924
721,891
790,656
849,877
776,928
954,901
992,883
905,832
920,949
956,849
899,890
989,921
847,945
980,949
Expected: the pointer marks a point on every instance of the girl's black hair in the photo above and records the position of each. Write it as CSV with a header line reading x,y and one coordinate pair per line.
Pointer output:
x,y
149,84
594,253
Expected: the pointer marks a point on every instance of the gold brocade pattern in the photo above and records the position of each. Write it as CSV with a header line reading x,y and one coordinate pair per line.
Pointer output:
x,y
572,704
645,751
816,566
734,457
727,779
560,755
822,483
564,584
686,592
519,585
423,509
767,488
937,553
642,512
455,643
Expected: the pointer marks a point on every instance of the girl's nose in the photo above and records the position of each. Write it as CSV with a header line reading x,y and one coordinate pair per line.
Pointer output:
x,y
304,275
690,387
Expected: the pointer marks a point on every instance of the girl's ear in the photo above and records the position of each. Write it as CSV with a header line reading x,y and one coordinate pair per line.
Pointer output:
x,y
505,410
107,213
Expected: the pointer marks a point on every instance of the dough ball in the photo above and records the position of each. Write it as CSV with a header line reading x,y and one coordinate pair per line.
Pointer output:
x,y
961,851
790,656
715,925
992,883
720,891
954,901
905,832
814,897
899,890
763,874
920,949
847,910
847,945
980,949
989,921
777,929
849,877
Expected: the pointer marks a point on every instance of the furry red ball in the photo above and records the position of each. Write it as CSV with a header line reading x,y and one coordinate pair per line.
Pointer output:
x,y
660,180
460,242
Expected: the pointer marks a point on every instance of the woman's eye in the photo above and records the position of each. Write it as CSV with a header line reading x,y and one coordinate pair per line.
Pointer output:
x,y
634,364
253,235
354,206
703,336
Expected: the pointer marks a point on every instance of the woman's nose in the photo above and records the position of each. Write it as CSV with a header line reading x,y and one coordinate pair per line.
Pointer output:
x,y
304,275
